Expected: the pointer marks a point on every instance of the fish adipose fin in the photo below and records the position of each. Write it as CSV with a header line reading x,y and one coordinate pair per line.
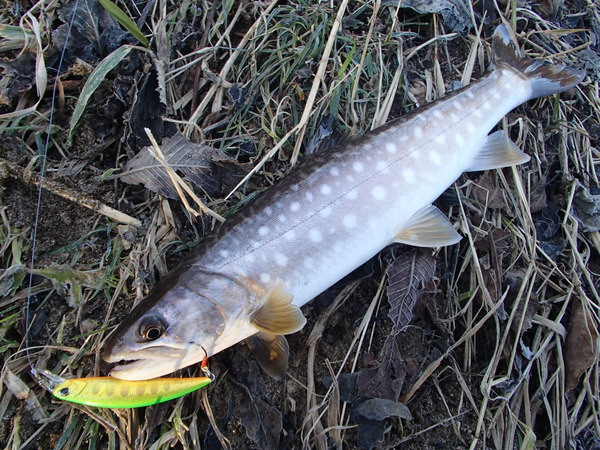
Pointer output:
x,y
498,151
278,315
545,79
271,352
428,228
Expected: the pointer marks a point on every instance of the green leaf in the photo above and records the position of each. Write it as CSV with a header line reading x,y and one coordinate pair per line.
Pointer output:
x,y
96,77
124,20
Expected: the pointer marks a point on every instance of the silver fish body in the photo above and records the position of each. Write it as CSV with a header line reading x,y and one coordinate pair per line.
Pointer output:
x,y
323,221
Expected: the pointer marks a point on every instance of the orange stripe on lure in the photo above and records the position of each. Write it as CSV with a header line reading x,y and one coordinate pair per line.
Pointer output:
x,y
109,392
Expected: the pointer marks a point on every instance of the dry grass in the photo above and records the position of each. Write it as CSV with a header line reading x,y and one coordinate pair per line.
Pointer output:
x,y
508,309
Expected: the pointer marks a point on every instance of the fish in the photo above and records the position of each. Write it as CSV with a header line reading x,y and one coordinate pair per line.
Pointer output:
x,y
337,210
109,392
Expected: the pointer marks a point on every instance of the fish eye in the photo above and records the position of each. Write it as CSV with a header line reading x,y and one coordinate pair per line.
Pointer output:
x,y
64,392
151,329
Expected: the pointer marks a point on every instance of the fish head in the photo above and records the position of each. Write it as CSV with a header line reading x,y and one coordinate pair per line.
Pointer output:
x,y
182,321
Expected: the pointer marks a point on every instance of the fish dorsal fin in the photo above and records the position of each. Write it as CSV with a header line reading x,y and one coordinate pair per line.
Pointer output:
x,y
428,228
498,151
271,353
278,315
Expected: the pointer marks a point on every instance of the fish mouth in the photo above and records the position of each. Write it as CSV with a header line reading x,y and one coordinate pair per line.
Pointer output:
x,y
145,365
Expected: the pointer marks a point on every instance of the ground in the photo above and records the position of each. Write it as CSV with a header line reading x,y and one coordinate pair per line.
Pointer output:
x,y
498,348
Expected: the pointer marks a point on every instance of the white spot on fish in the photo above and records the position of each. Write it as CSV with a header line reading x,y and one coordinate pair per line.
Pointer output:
x,y
290,235
325,189
418,132
435,158
438,114
352,195
390,147
265,277
459,139
268,210
378,193
358,166
315,236
281,259
334,171
224,253
251,258
282,218
409,176
349,221
309,263
477,112
454,117
349,178
440,139
325,212
403,138
263,231
295,206
470,94
470,127
487,105
381,165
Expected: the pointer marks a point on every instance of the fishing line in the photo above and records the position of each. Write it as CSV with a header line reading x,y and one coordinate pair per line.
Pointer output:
x,y
40,188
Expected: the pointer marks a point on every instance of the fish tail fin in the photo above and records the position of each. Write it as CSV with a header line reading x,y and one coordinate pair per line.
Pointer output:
x,y
545,79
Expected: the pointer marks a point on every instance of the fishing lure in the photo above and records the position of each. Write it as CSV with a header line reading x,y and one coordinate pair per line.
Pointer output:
x,y
109,392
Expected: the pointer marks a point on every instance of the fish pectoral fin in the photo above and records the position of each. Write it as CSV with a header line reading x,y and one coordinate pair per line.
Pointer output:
x,y
428,228
271,352
278,315
498,151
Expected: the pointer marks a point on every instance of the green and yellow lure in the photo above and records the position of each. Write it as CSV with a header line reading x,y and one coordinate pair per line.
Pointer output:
x,y
109,392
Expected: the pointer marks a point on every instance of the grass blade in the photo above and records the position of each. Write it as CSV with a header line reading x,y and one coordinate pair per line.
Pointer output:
x,y
125,21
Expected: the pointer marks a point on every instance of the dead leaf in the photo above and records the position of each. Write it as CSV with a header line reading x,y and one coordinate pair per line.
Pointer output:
x,y
386,380
381,409
407,277
580,346
195,161
586,208
370,416
488,192
456,14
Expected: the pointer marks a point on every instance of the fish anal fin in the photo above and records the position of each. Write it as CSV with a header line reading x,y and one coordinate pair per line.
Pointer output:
x,y
498,151
278,315
428,228
271,352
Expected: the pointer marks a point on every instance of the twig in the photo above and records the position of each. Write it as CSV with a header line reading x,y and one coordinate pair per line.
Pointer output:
x,y
9,169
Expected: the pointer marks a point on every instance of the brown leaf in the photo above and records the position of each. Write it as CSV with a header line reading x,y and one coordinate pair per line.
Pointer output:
x,y
386,380
580,346
195,161
488,192
407,278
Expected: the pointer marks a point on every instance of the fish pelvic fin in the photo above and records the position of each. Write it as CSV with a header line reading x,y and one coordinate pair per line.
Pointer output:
x,y
545,79
428,228
498,151
278,315
271,352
